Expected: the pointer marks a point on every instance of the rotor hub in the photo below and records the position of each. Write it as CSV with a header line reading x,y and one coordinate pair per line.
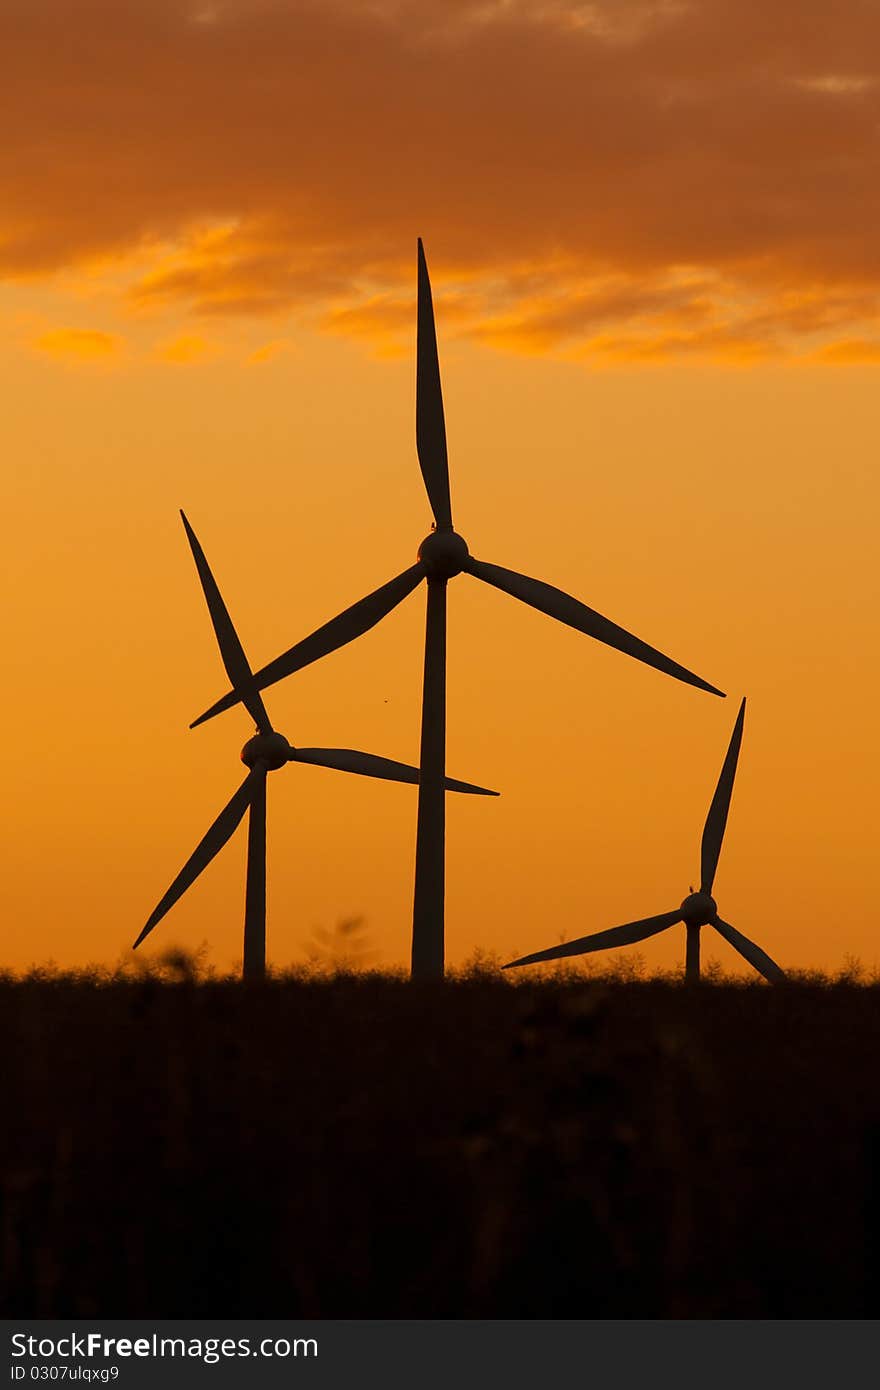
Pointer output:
x,y
443,554
271,749
698,909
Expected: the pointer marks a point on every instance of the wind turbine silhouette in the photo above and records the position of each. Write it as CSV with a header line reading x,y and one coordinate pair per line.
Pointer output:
x,y
442,555
267,751
698,909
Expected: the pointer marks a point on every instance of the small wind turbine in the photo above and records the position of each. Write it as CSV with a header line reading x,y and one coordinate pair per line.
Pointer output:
x,y
698,909
265,752
442,555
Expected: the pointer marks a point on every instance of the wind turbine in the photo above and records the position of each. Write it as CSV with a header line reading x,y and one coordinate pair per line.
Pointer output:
x,y
442,555
264,753
698,909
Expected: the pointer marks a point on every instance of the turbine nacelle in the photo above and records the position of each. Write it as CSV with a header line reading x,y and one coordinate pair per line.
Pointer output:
x,y
699,910
271,749
443,554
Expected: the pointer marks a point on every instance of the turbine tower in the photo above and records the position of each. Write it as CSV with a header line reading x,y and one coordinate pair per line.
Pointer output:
x,y
698,909
442,555
264,753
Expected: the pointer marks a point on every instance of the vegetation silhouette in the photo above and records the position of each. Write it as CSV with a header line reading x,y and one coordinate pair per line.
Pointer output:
x,y
442,555
589,1145
698,909
345,949
266,752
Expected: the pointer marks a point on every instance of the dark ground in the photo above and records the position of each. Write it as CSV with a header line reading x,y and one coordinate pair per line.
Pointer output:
x,y
358,1147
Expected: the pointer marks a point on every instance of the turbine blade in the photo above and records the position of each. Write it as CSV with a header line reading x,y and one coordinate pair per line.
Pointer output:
x,y
231,650
604,940
430,425
752,953
369,765
573,613
222,829
713,831
340,630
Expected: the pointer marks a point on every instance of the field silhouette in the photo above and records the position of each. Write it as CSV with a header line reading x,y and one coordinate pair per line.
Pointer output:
x,y
334,1144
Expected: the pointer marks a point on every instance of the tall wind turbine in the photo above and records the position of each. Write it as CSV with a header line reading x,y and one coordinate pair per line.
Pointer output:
x,y
442,555
264,753
698,909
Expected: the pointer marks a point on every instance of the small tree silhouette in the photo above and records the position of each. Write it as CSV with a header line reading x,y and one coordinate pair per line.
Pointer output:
x,y
342,951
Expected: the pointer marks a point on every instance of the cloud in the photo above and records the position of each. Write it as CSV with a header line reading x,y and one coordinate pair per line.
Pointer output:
x,y
852,352
387,323
78,344
836,85
269,351
186,349
271,158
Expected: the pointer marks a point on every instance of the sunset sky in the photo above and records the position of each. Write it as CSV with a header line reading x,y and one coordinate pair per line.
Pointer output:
x,y
652,236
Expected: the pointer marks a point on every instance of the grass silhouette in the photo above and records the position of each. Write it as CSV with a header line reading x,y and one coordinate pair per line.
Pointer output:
x,y
339,1142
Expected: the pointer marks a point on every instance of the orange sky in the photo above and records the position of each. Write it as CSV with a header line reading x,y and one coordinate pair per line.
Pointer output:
x,y
652,236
